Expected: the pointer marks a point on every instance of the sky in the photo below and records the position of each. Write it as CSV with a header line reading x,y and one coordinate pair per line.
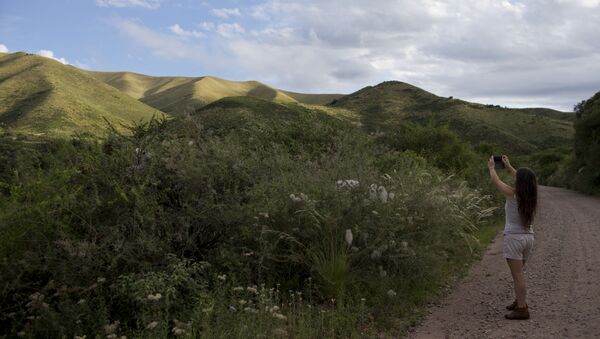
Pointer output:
x,y
530,53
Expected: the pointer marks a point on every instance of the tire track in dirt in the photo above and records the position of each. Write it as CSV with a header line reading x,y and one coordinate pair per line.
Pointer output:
x,y
563,280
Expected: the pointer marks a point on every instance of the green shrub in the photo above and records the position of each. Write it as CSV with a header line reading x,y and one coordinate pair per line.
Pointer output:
x,y
157,232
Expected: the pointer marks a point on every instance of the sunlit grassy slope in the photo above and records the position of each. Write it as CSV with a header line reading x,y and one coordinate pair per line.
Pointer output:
x,y
185,94
42,96
515,130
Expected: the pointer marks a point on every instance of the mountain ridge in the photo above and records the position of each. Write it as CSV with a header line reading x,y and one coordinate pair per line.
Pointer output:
x,y
520,130
192,93
39,95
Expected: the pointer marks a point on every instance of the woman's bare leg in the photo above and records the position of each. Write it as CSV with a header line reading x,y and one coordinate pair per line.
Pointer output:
x,y
516,269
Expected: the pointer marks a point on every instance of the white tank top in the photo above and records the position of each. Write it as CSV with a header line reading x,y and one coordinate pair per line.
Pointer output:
x,y
513,224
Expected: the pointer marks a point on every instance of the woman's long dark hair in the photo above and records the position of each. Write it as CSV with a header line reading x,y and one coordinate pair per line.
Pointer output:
x,y
526,192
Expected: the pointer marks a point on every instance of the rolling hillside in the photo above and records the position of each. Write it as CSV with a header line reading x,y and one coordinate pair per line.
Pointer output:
x,y
42,96
516,130
39,95
185,94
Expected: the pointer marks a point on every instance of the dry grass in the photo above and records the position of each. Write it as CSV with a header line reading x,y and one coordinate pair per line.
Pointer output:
x,y
185,94
43,96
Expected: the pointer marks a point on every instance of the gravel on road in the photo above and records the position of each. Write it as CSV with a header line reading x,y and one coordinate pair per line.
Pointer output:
x,y
563,280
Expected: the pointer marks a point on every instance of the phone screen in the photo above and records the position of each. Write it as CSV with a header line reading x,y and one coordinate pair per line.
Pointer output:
x,y
498,162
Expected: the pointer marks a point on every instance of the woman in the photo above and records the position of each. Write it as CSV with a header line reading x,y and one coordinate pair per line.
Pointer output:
x,y
520,208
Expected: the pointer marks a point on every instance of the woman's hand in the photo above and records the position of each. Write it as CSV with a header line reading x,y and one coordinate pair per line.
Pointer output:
x,y
506,161
491,163
508,165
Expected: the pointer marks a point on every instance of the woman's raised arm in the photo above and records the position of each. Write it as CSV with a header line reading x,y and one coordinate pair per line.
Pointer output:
x,y
507,164
502,187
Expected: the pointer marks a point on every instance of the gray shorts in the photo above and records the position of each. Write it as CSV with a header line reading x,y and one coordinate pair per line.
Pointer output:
x,y
517,246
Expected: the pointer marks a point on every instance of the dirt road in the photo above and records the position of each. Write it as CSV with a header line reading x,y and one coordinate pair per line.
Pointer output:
x,y
563,280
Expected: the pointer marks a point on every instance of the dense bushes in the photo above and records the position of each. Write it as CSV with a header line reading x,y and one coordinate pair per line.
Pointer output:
x,y
245,219
442,147
578,168
586,165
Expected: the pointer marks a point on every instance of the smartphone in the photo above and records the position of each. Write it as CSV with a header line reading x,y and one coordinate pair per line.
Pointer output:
x,y
498,162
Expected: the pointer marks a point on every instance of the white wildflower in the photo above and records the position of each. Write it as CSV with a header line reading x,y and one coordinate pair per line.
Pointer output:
x,y
111,336
391,293
111,328
81,302
354,249
404,244
347,184
154,297
100,280
383,194
280,316
264,215
280,333
348,237
222,277
152,325
295,198
183,327
252,289
80,337
191,143
242,302
373,192
392,195
250,310
375,212
238,289
178,331
274,309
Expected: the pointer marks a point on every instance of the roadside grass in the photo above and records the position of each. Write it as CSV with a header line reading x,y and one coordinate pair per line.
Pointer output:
x,y
248,218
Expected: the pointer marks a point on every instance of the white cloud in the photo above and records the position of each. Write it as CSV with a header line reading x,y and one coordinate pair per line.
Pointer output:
x,y
49,54
160,44
508,52
226,13
3,48
150,4
224,30
81,65
185,34
229,30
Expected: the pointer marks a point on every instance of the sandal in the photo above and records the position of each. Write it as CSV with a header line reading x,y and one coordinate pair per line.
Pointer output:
x,y
519,313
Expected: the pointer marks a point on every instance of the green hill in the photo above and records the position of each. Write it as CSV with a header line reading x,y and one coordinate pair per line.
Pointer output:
x,y
515,130
42,96
185,94
313,99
